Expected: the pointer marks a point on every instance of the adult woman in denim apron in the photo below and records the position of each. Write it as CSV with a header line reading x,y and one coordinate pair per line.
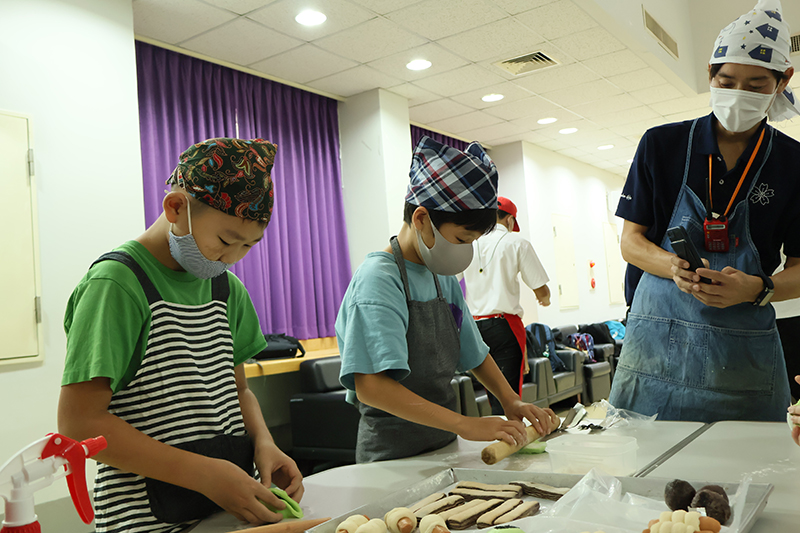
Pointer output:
x,y
687,361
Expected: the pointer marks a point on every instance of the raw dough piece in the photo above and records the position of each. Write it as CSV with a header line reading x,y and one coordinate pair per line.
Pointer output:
x,y
471,494
540,490
439,505
425,501
485,486
488,518
450,512
470,516
433,523
520,511
376,525
351,523
400,520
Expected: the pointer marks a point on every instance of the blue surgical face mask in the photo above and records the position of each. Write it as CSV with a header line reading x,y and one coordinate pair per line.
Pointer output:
x,y
184,250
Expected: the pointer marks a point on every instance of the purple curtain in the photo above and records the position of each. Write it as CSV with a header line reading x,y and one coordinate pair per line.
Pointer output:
x,y
298,274
417,133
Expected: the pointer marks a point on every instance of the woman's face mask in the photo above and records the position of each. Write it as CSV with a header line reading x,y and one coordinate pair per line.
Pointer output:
x,y
739,110
184,250
445,258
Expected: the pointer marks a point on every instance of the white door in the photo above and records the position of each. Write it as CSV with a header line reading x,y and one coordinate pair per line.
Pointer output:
x,y
19,319
566,275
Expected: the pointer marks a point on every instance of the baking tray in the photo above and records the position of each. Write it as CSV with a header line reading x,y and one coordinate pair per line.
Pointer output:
x,y
755,502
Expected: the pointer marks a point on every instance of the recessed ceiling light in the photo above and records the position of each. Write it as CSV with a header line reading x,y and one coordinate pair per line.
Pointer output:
x,y
605,147
548,120
418,64
492,97
309,17
567,131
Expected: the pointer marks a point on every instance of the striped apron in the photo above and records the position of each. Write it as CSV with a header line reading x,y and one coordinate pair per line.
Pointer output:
x,y
183,392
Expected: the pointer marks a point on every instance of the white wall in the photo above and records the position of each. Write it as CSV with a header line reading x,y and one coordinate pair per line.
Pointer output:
x,y
551,183
70,66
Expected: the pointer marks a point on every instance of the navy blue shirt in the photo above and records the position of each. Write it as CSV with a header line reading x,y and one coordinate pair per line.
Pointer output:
x,y
656,175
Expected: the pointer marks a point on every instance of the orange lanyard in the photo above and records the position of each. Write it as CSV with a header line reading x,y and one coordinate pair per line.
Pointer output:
x,y
741,180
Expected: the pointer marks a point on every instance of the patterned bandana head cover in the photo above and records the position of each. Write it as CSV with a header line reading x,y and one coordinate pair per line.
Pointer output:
x,y
446,179
760,37
231,175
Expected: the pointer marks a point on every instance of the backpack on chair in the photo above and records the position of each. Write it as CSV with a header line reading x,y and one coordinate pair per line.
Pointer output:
x,y
280,346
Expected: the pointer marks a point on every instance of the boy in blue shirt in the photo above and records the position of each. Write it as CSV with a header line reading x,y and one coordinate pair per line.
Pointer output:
x,y
403,327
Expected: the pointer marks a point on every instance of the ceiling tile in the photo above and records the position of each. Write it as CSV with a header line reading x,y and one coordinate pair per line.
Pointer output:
x,y
636,114
509,91
533,106
173,21
615,63
531,121
659,93
383,7
589,43
554,53
499,40
512,7
585,131
241,41
415,95
441,61
557,19
555,78
680,105
495,132
341,15
612,104
638,79
370,40
437,110
240,7
552,144
468,121
460,80
436,19
354,81
685,115
574,153
303,64
580,94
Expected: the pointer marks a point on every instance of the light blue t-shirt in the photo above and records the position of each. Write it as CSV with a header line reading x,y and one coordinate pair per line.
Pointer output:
x,y
373,320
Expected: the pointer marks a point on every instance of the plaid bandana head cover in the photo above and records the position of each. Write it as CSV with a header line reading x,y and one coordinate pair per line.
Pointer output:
x,y
446,179
760,38
230,175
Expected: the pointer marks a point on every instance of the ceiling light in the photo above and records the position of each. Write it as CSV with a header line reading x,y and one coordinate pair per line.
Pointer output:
x,y
567,131
418,64
605,147
548,120
309,17
492,97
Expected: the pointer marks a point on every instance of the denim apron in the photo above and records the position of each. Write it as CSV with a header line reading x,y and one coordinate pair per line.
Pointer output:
x,y
688,361
434,349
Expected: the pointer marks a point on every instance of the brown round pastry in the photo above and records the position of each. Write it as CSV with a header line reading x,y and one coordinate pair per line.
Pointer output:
x,y
715,505
719,490
678,494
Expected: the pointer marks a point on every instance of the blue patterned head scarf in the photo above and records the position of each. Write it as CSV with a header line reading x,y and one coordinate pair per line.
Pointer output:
x,y
444,178
761,38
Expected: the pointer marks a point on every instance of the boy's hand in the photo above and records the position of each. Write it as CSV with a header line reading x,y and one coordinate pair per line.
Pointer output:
x,y
542,420
231,488
492,428
277,467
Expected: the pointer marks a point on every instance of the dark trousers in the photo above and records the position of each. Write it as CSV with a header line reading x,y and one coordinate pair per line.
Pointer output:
x,y
789,329
505,351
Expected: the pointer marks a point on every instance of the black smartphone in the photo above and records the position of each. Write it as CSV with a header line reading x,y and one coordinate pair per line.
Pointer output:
x,y
685,249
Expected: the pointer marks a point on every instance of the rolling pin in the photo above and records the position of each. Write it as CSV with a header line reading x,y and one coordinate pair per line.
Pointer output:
x,y
499,450
285,526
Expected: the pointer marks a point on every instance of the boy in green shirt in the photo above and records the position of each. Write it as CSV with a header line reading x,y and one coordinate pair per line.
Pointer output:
x,y
157,332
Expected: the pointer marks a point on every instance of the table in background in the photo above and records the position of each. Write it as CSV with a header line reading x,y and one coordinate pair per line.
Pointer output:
x,y
728,450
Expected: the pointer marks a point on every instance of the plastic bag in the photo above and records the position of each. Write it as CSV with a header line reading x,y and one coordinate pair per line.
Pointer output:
x,y
621,417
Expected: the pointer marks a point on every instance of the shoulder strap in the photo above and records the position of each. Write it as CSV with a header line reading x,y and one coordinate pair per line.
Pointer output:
x,y
125,258
220,287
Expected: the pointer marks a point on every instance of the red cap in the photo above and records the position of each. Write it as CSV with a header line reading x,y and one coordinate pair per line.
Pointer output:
x,y
504,204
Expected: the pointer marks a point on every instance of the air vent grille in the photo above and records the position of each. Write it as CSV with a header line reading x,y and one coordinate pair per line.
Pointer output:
x,y
527,63
664,39
795,44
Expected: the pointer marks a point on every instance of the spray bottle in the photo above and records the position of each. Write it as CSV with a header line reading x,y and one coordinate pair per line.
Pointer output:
x,y
38,466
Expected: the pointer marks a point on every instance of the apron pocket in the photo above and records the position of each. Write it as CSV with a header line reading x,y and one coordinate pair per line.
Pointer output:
x,y
741,362
173,504
644,350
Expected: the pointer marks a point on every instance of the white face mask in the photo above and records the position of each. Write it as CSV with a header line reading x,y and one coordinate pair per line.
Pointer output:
x,y
445,258
738,111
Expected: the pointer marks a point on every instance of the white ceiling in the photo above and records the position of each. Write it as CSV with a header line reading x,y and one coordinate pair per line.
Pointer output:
x,y
613,81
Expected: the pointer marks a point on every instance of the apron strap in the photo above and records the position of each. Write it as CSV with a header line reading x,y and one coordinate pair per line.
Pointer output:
x,y
220,288
125,258
401,264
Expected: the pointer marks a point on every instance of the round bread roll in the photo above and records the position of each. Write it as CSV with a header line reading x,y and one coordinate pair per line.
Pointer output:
x,y
431,524
400,520
351,523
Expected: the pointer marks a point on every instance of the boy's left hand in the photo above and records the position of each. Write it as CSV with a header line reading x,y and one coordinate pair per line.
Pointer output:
x,y
538,417
277,467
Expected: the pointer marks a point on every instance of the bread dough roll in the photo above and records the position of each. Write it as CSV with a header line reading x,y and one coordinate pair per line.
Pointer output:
x,y
376,525
395,520
351,523
430,523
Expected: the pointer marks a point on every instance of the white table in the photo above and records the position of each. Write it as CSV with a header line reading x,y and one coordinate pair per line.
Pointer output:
x,y
728,450
334,492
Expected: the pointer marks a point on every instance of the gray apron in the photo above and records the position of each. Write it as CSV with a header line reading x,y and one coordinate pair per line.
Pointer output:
x,y
434,349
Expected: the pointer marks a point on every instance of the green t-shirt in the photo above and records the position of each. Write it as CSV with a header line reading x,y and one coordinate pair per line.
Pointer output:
x,y
107,320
